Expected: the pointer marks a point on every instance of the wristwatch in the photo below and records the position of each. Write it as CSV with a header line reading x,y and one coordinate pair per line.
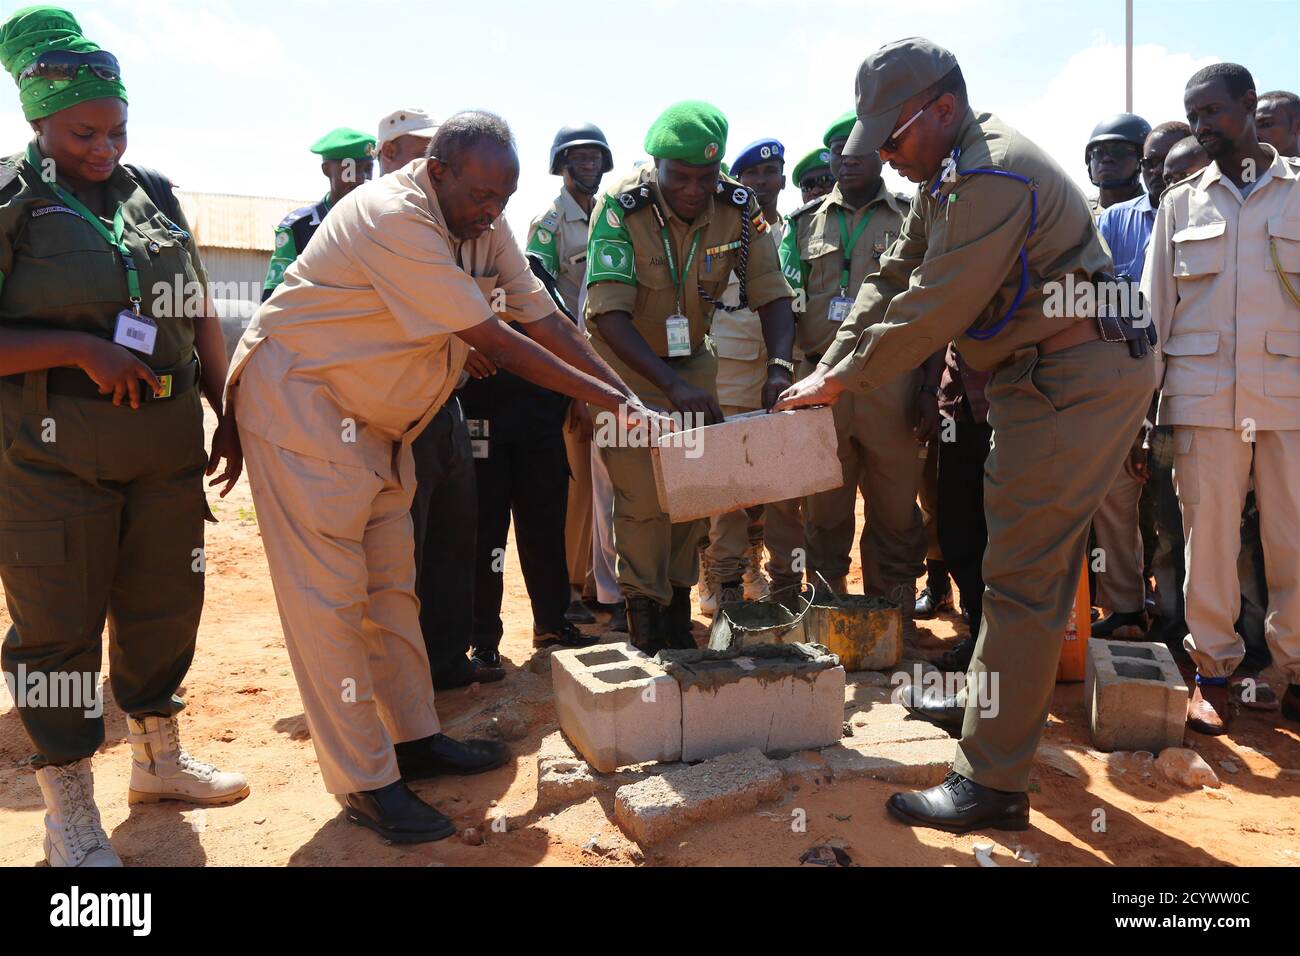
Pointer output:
x,y
787,365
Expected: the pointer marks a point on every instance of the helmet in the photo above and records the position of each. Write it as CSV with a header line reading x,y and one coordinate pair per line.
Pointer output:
x,y
1122,127
580,134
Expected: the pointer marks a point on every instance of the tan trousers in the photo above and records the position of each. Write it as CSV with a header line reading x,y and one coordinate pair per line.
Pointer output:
x,y
1212,471
879,455
1062,424
1120,586
732,534
339,544
578,513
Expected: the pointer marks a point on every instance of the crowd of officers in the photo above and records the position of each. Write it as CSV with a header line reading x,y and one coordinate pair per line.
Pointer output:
x,y
395,421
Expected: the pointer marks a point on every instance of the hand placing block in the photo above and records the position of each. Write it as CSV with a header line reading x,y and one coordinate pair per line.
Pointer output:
x,y
748,459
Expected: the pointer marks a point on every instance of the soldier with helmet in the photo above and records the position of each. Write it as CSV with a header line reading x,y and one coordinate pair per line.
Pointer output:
x,y
558,237
1113,156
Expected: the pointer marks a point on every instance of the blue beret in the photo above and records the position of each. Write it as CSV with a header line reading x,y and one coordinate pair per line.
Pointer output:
x,y
759,151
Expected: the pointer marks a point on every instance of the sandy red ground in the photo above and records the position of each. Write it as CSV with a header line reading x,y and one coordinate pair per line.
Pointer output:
x,y
244,713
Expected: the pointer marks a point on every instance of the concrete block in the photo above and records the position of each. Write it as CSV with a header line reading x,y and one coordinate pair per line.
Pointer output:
x,y
562,781
746,460
916,763
804,769
616,705
775,698
1135,695
659,806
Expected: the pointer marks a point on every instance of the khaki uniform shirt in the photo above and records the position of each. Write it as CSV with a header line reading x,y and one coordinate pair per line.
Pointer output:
x,y
812,256
362,329
559,237
956,265
628,269
58,273
1229,336
742,353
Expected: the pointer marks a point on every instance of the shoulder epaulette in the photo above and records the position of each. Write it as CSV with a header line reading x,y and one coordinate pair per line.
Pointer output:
x,y
903,199
809,206
730,191
297,214
636,198
7,174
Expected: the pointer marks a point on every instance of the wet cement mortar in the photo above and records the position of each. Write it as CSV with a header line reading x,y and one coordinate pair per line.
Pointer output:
x,y
710,669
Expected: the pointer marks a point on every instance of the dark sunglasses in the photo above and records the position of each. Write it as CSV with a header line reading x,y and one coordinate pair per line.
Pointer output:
x,y
891,141
815,182
1152,162
1113,150
64,65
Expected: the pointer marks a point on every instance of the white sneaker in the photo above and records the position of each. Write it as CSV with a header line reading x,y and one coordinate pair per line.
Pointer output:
x,y
757,587
162,770
74,835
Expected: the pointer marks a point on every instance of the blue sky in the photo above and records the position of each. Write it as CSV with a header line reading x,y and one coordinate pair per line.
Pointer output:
x,y
227,95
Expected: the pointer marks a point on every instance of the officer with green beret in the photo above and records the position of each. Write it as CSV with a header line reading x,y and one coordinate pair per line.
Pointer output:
x,y
995,233
101,480
813,175
347,160
832,244
664,242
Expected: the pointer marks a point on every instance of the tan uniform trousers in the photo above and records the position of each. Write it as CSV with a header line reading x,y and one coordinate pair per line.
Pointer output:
x,y
655,555
340,547
732,534
1120,586
1212,471
578,512
879,454
1062,424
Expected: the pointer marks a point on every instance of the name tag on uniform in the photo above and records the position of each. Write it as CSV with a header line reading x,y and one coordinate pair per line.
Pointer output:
x,y
838,310
679,336
478,436
136,332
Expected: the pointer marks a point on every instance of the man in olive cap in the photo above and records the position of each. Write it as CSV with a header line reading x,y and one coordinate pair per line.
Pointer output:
x,y
995,229
347,160
813,175
664,243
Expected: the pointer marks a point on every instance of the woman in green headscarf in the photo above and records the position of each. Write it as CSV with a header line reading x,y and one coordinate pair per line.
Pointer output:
x,y
101,438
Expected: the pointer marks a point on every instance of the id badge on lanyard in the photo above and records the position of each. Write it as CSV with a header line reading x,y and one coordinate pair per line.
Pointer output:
x,y
135,331
679,336
838,310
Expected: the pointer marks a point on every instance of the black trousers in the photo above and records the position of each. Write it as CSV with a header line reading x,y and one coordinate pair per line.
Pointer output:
x,y
963,535
444,515
524,473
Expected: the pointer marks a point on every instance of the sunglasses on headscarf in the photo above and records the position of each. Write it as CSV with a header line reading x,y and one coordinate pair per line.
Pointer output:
x,y
64,65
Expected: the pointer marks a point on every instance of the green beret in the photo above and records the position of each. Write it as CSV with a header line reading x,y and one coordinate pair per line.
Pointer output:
x,y
840,129
692,131
818,159
33,31
344,143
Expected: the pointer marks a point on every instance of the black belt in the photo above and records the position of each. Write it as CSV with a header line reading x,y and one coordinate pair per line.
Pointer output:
x,y
77,384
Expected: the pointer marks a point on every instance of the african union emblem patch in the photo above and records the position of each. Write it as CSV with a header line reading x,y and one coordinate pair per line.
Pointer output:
x,y
611,259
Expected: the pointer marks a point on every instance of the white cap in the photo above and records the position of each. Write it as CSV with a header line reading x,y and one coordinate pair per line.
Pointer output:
x,y
402,122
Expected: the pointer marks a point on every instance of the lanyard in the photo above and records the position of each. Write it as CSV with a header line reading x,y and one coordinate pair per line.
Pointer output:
x,y
849,244
679,281
113,238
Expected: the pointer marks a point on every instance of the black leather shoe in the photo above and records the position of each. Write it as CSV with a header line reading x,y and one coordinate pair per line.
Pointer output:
x,y
565,635
617,619
647,624
579,613
944,712
471,670
959,805
440,755
1123,626
957,660
679,619
933,602
397,814
487,657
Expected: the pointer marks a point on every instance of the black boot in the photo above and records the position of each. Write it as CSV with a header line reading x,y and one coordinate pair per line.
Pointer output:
x,y
646,624
397,814
679,620
439,755
945,712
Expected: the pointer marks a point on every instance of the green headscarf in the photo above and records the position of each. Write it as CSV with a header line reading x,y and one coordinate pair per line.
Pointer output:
x,y
34,30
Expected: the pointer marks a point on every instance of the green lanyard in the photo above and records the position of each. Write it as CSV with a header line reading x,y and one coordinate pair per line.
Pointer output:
x,y
848,246
113,238
679,282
